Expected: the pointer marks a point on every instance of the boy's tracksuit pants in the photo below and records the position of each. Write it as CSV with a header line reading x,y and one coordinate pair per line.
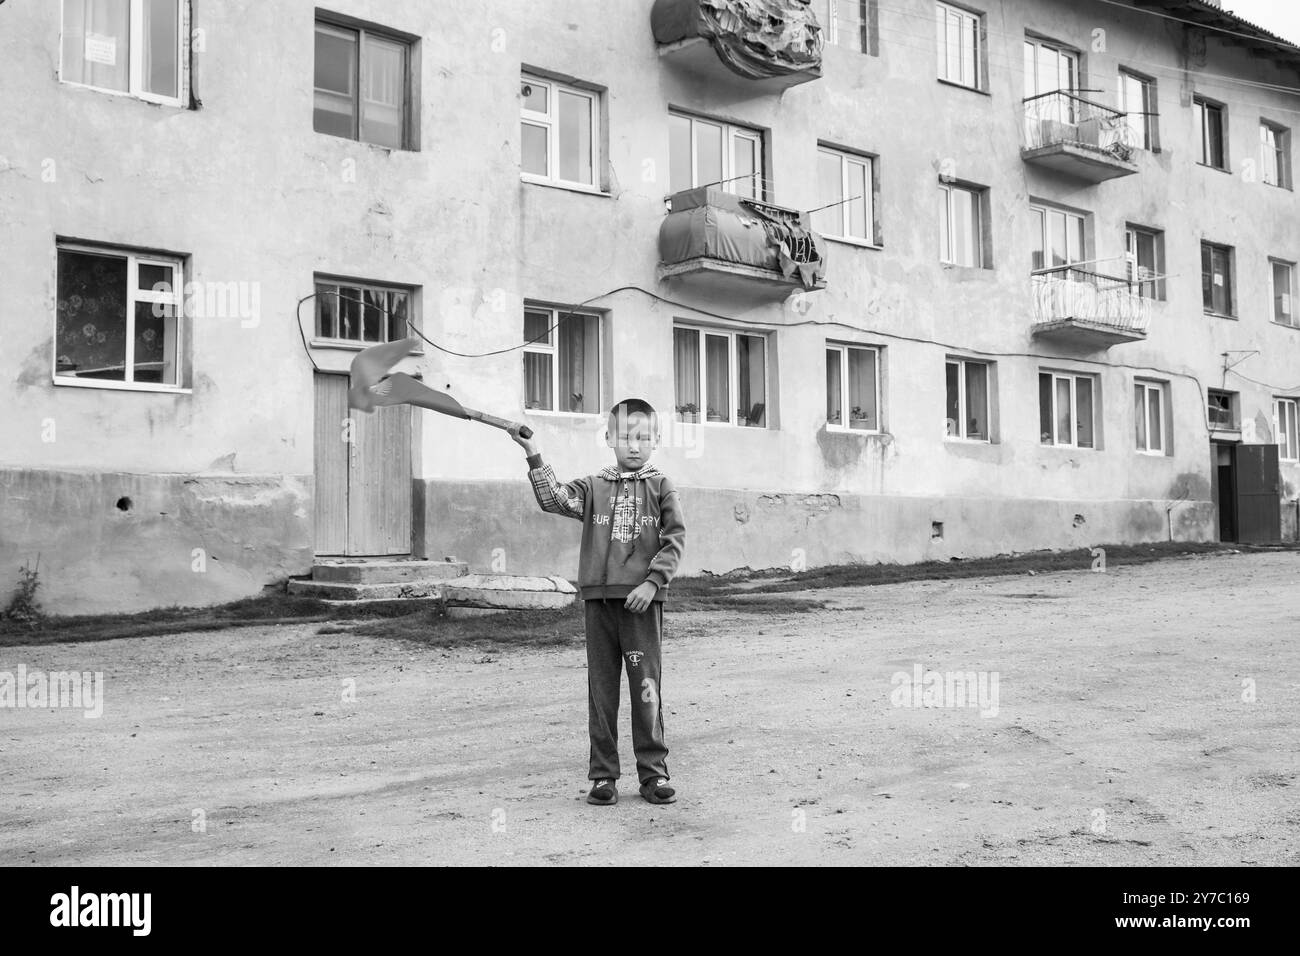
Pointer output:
x,y
617,639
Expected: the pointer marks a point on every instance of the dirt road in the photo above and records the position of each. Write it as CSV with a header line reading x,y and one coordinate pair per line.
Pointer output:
x,y
1147,714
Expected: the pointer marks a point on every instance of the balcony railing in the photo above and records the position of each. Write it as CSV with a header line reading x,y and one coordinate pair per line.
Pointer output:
x,y
1073,135
1088,307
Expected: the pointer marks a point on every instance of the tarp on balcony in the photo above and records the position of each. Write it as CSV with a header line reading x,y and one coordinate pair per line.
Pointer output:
x,y
708,222
754,38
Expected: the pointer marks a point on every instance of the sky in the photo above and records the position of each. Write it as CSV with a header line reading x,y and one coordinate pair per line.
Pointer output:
x,y
1277,16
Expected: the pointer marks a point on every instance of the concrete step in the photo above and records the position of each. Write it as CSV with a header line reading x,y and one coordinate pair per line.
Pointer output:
x,y
509,592
383,571
348,591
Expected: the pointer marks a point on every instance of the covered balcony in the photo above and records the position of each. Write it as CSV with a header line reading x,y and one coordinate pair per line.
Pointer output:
x,y
763,46
717,242
1088,310
1074,136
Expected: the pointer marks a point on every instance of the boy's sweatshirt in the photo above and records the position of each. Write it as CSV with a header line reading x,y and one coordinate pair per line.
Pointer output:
x,y
632,526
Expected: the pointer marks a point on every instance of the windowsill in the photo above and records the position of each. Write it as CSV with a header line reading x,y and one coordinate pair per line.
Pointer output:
x,y
557,184
349,346
174,103
956,440
963,86
1220,169
846,430
1287,325
849,241
1220,315
1152,454
951,266
1279,186
747,428
365,142
548,413
122,386
1065,447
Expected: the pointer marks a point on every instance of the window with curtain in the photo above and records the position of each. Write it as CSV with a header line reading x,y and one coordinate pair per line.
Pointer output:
x,y
960,237
561,361
1144,254
1065,410
361,313
852,387
361,84
967,399
127,46
1216,278
1058,237
720,377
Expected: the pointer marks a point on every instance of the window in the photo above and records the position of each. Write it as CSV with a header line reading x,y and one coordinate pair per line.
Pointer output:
x,y
1058,237
1284,292
967,400
1049,68
126,46
711,366
362,79
961,238
1149,417
1275,155
1137,100
363,314
1066,410
844,189
119,318
845,23
561,360
560,133
1209,118
703,153
959,45
1216,279
853,387
1222,410
1144,255
1284,426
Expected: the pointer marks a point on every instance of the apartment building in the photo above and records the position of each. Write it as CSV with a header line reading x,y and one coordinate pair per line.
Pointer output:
x,y
907,279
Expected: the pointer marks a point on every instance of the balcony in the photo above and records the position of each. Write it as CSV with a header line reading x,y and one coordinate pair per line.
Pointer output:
x,y
1086,309
1078,138
714,241
760,46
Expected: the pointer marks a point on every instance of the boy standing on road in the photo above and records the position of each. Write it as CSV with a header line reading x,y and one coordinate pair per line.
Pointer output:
x,y
633,536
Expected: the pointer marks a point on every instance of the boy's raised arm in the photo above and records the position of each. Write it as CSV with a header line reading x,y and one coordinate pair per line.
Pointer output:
x,y
557,497
672,538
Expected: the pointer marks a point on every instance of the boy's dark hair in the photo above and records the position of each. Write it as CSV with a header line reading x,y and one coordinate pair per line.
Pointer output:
x,y
620,413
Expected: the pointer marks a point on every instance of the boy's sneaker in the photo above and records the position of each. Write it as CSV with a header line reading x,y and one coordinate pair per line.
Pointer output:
x,y
656,790
603,793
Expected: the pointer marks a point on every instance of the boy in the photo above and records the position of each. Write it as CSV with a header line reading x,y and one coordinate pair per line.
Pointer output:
x,y
633,537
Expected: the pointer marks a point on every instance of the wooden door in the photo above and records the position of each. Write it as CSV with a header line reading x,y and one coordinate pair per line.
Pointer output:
x,y
1259,493
363,475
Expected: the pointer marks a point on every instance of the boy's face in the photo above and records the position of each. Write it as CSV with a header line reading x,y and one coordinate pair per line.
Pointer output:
x,y
633,441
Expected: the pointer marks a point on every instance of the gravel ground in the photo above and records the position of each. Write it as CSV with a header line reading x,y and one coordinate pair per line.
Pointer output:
x,y
1146,715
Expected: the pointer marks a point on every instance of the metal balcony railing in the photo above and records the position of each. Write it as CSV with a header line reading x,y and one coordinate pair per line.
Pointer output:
x,y
1062,118
1067,292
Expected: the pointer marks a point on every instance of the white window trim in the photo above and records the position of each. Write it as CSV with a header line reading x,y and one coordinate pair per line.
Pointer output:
x,y
832,27
134,295
1131,233
135,66
318,340
1278,153
1062,52
962,417
733,375
551,347
1147,132
978,232
1073,378
1290,292
1044,236
967,17
845,159
1204,106
1165,421
1278,424
550,121
844,349
730,133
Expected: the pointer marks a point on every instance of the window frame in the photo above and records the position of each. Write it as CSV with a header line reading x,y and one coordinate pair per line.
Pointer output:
x,y
1203,106
1162,390
1073,378
361,30
1233,425
364,285
963,409
1150,130
135,258
832,26
550,121
733,376
730,133
1157,285
1063,52
135,63
977,230
1281,150
843,349
1288,439
1273,263
1045,212
1229,283
943,11
847,157
552,349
